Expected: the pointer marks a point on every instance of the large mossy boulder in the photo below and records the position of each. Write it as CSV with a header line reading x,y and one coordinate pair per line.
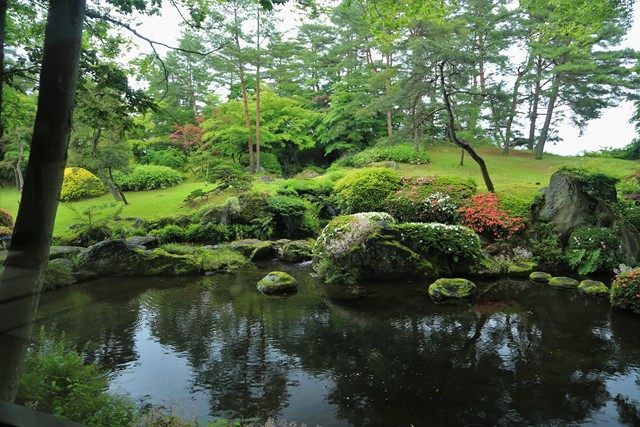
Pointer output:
x,y
277,282
594,288
121,258
448,290
577,198
255,250
563,283
56,252
522,268
372,246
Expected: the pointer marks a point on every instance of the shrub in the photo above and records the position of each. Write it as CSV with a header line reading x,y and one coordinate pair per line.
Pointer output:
x,y
209,233
59,382
268,162
412,206
516,206
5,218
57,275
401,153
5,231
169,157
229,175
169,233
220,260
79,184
545,244
294,217
486,218
313,188
625,290
148,177
365,190
592,249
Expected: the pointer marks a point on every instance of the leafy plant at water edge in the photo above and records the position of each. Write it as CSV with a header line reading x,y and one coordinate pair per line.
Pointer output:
x,y
592,249
57,380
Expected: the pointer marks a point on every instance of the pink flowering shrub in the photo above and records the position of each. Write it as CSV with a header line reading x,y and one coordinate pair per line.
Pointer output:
x,y
625,291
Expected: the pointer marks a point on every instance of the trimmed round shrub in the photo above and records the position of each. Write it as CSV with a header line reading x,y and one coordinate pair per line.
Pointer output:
x,y
294,217
625,291
169,233
79,183
148,177
169,157
209,233
268,162
366,190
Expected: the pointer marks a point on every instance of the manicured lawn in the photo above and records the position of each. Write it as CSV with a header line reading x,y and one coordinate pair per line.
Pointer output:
x,y
142,204
516,175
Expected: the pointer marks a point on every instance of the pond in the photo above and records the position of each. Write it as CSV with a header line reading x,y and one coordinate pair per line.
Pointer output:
x,y
522,354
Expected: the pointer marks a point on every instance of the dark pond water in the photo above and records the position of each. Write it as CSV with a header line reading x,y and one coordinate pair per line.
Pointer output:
x,y
522,354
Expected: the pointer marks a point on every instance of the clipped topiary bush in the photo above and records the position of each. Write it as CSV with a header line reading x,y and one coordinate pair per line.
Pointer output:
x,y
148,177
366,190
625,291
79,184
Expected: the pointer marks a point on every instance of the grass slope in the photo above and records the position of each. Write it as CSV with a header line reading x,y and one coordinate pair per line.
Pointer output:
x,y
516,175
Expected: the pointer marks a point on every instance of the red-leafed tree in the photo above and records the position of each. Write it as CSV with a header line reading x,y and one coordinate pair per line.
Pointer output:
x,y
189,136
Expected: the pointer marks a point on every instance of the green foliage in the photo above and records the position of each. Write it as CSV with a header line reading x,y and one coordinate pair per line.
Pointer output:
x,y
57,275
209,233
592,182
93,224
229,175
268,162
148,177
592,249
5,218
220,260
79,184
57,380
294,217
365,190
516,206
169,157
545,245
169,233
400,153
625,291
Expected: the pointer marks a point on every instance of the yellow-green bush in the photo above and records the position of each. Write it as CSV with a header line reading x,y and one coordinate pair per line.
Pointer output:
x,y
365,190
79,184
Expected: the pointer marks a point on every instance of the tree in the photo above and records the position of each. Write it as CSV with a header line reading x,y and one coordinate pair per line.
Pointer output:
x,y
22,277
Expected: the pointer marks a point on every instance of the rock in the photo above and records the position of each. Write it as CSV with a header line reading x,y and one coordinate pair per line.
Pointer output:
x,y
147,242
563,282
121,258
540,277
84,275
277,282
255,250
593,287
58,274
56,252
444,290
522,268
296,251
371,246
66,262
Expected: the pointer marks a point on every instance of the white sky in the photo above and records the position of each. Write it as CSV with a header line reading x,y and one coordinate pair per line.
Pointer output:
x,y
612,129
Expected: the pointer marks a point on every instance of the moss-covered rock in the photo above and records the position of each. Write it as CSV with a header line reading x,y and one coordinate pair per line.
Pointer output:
x,y
296,251
371,246
277,282
445,290
563,282
159,262
593,287
540,277
255,250
58,274
522,268
56,252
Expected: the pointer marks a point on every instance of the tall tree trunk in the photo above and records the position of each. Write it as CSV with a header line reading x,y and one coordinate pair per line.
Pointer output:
x,y
29,253
390,110
3,36
454,137
533,118
513,108
544,133
245,98
258,167
102,174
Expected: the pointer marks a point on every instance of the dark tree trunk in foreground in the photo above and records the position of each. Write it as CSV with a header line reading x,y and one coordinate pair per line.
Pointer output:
x,y
3,36
22,279
454,137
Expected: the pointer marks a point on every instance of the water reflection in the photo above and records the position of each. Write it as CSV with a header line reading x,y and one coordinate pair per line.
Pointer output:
x,y
523,354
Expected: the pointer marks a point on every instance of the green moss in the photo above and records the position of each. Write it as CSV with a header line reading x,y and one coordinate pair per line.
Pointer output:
x,y
254,250
443,290
277,282
58,275
593,287
160,262
522,268
216,260
366,190
540,277
563,282
296,251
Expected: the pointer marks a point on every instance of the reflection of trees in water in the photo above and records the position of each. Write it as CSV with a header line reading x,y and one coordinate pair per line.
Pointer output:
x,y
393,359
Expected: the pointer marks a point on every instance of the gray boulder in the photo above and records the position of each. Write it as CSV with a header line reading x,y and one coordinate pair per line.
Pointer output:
x,y
56,252
147,242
